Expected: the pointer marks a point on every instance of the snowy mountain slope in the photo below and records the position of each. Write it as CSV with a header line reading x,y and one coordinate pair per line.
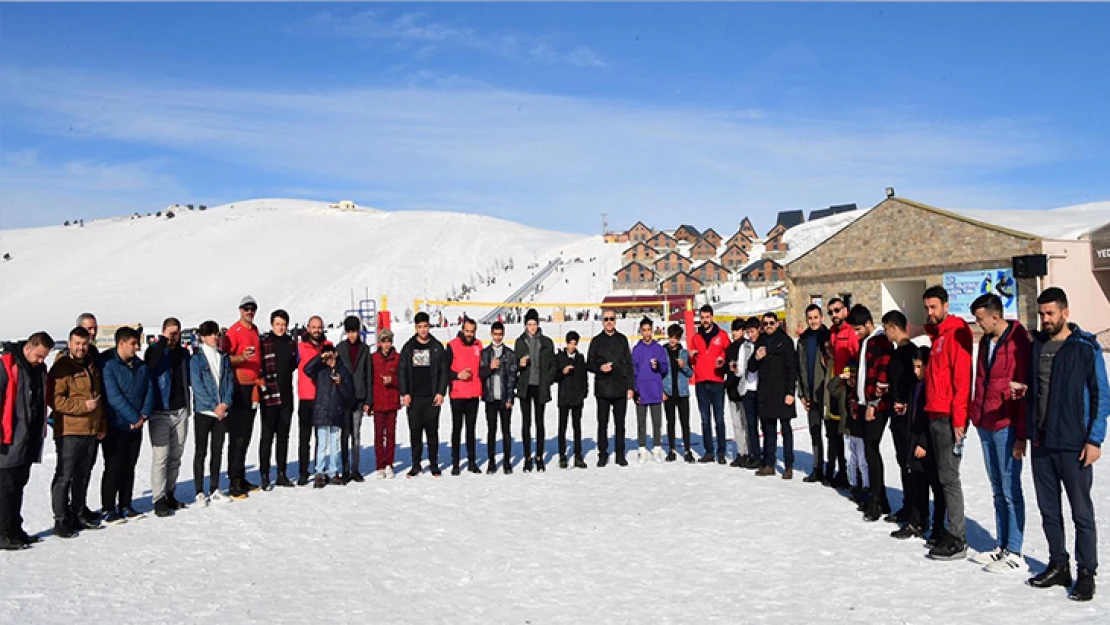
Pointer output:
x,y
303,256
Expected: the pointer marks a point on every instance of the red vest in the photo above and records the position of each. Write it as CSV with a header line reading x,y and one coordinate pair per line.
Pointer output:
x,y
466,357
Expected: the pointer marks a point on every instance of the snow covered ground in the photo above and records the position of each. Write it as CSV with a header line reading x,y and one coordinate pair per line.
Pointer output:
x,y
669,543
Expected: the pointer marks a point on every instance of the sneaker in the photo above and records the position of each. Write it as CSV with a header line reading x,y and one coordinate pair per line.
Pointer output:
x,y
951,549
643,456
1008,563
389,474
657,455
132,514
237,494
527,465
337,480
983,558
266,485
200,501
937,537
435,470
88,517
706,459
1084,586
765,471
26,538
753,464
7,543
62,529
671,457
689,457
218,496
320,481
579,463
907,532
1057,574
114,518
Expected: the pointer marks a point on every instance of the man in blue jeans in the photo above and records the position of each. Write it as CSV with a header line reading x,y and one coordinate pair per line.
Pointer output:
x,y
708,347
997,411
1068,402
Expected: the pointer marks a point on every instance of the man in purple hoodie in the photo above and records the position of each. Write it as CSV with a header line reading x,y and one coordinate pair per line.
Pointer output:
x,y
649,365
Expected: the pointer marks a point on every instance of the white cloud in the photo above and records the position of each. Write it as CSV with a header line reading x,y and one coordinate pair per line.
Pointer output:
x,y
433,36
546,160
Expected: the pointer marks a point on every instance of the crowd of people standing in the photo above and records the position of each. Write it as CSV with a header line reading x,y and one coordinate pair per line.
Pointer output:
x,y
853,379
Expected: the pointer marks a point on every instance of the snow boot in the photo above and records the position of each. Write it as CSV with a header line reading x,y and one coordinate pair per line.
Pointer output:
x,y
689,457
1084,586
579,463
1057,574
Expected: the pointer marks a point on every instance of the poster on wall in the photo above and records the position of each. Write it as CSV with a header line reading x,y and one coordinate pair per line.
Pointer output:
x,y
965,286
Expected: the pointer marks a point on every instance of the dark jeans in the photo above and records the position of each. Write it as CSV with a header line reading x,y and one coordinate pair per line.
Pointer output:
x,y
496,410
575,416
751,414
619,406
424,420
71,476
681,405
872,449
816,438
1051,469
12,483
770,429
240,427
211,433
121,453
529,403
711,404
838,462
305,431
900,432
276,423
350,441
464,412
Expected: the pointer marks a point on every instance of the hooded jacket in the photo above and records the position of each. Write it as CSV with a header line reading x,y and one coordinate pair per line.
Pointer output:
x,y
992,406
649,382
159,361
1079,398
23,400
948,373
73,383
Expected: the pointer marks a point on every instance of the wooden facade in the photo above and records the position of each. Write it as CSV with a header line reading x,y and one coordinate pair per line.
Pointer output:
x,y
687,234
634,276
639,233
681,284
763,271
710,273
703,250
671,263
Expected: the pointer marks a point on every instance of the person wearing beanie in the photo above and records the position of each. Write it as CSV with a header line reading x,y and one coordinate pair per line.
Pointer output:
x,y
354,354
424,378
570,373
536,372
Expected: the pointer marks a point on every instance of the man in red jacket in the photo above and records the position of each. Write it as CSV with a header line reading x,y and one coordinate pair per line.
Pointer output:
x,y
464,355
947,395
243,345
387,401
998,413
845,347
307,349
707,354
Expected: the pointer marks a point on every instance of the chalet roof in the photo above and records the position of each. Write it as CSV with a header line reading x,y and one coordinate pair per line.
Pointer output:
x,y
736,247
791,218
640,223
683,273
708,262
635,262
706,241
692,230
835,209
636,245
758,264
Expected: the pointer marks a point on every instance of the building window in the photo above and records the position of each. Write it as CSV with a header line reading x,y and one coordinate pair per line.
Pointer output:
x,y
847,299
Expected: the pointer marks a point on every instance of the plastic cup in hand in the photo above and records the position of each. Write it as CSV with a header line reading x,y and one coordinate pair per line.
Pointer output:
x,y
720,362
1017,390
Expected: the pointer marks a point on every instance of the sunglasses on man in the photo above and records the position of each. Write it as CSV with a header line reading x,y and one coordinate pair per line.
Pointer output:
x,y
835,311
608,318
249,308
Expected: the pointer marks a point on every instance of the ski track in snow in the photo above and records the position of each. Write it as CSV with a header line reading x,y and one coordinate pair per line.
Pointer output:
x,y
669,543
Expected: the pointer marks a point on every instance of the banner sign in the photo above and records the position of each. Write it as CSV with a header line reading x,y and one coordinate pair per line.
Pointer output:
x,y
964,287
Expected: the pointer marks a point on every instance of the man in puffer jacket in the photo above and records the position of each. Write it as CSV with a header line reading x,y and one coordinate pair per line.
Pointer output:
x,y
130,396
998,413
708,347
464,356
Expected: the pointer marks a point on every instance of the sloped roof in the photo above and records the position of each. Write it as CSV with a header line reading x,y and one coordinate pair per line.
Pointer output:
x,y
708,262
759,263
1068,223
683,273
694,231
735,247
638,244
708,231
704,240
790,218
640,223
635,262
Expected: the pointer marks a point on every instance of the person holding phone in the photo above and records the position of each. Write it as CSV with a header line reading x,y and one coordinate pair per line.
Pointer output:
x,y
243,345
610,360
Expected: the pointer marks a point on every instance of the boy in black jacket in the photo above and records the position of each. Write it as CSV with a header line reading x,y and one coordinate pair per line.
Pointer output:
x,y
423,379
498,371
573,387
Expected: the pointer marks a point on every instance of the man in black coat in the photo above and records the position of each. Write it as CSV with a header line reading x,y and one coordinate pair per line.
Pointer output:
x,y
423,379
610,360
776,360
811,386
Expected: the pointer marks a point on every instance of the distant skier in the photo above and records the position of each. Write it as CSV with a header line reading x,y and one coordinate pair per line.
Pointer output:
x,y
423,381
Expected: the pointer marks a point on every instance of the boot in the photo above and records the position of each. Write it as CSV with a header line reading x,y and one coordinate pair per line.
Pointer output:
x,y
788,474
491,468
539,465
563,462
283,481
671,457
473,467
455,470
527,465
689,457
302,480
765,471
706,459
817,476
579,463
621,462
737,462
1057,574
1084,586
602,460
721,459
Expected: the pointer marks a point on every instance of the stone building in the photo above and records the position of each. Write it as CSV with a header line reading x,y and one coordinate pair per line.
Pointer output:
x,y
889,256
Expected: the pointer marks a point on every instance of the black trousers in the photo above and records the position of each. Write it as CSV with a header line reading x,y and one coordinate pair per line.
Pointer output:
x,y
210,435
681,405
464,412
121,454
276,423
619,406
424,422
240,427
838,462
817,438
12,483
574,413
305,431
872,450
915,502
496,410
71,476
900,431
530,404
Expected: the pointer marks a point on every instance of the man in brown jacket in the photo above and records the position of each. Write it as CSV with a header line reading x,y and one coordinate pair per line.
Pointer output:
x,y
79,422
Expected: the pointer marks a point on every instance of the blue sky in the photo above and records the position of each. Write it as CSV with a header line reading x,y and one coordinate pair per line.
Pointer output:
x,y
550,114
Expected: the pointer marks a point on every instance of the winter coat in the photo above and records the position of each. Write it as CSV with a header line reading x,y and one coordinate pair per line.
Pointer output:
x,y
361,372
387,397
159,364
902,381
611,348
546,359
507,371
684,373
573,387
704,352
876,383
334,403
992,406
919,428
736,382
306,351
778,375
23,400
1079,398
845,344
206,393
438,363
649,382
817,393
460,357
948,373
73,383
129,391
274,394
